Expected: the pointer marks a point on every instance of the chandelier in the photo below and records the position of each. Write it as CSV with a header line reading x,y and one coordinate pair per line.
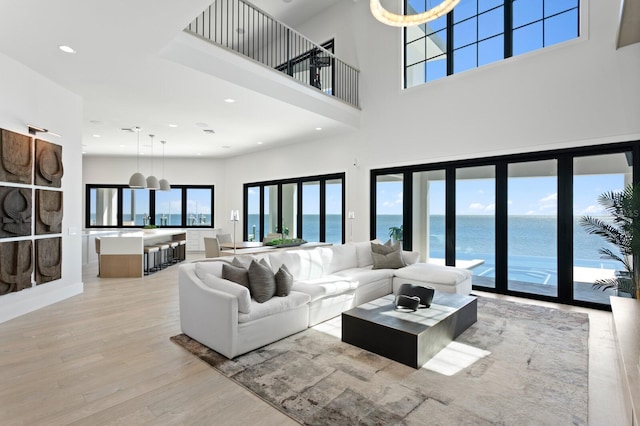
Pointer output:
x,y
395,20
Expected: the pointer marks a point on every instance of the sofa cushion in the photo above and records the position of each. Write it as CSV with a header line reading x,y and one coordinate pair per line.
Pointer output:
x,y
339,257
410,257
367,275
329,285
237,274
242,262
284,281
262,282
387,257
274,306
234,289
431,273
204,268
302,264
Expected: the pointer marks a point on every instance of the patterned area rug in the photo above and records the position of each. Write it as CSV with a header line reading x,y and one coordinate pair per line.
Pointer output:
x,y
518,365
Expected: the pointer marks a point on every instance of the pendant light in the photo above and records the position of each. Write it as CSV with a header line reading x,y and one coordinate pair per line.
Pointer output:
x,y
164,184
137,179
152,181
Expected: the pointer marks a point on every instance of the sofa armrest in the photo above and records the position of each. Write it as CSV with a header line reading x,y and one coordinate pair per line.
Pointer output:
x,y
207,315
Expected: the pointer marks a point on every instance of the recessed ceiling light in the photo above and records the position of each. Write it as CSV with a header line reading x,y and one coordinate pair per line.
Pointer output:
x,y
318,128
67,49
84,152
229,100
198,154
259,142
123,146
173,125
225,146
202,124
96,136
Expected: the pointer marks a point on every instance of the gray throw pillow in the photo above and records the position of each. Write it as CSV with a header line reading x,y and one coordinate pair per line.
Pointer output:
x,y
284,281
236,274
262,282
387,257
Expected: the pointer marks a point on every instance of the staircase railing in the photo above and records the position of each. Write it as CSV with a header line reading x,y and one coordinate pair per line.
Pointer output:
x,y
245,29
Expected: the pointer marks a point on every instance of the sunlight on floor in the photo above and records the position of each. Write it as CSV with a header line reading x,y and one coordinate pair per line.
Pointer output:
x,y
454,358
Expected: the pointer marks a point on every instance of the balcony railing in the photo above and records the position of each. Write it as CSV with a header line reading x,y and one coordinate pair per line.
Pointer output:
x,y
243,28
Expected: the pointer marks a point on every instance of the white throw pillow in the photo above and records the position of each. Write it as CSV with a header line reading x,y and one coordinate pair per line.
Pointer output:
x,y
363,253
410,257
234,289
204,268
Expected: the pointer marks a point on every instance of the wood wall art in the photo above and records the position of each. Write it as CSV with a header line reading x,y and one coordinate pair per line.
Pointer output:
x,y
16,266
15,212
16,157
48,164
48,260
48,212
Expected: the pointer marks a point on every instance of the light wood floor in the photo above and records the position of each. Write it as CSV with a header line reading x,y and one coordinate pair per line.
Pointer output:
x,y
104,357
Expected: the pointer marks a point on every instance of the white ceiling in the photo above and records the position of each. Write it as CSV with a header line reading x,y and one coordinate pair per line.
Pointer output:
x,y
125,83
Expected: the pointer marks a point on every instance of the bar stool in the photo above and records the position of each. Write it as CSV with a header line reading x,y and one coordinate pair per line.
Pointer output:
x,y
173,251
164,254
148,250
182,250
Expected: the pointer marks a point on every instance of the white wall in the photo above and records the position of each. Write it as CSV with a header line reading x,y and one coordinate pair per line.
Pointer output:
x,y
29,98
582,92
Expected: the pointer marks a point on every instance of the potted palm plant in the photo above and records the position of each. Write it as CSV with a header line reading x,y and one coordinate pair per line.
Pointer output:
x,y
621,229
395,233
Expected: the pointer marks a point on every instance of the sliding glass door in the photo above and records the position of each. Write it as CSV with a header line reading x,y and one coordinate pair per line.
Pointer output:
x,y
592,176
533,227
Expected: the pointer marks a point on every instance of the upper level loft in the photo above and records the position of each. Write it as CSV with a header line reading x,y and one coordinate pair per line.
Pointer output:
x,y
235,41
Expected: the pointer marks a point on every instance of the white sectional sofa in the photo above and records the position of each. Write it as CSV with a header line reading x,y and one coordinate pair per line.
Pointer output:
x,y
326,281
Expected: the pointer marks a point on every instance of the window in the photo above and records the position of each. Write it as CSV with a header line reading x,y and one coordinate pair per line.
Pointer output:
x,y
169,207
389,202
475,222
474,34
120,206
512,220
311,208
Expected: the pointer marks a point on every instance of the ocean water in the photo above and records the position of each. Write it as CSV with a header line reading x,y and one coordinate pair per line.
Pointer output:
x,y
532,245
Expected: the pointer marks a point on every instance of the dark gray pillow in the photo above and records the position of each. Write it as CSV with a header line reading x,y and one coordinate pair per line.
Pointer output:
x,y
236,274
387,257
284,281
262,282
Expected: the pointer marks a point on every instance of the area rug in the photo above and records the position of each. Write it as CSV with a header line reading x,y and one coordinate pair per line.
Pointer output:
x,y
518,365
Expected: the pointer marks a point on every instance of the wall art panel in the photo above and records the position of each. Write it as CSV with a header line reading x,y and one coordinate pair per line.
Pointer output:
x,y
15,212
48,212
16,266
48,164
48,260
16,157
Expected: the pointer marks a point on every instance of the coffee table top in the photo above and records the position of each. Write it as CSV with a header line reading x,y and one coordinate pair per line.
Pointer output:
x,y
382,311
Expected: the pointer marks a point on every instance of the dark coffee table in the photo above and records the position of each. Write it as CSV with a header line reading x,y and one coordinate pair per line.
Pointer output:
x,y
411,338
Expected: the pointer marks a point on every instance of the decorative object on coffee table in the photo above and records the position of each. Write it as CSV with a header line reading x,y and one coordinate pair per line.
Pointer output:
x,y
405,302
424,294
